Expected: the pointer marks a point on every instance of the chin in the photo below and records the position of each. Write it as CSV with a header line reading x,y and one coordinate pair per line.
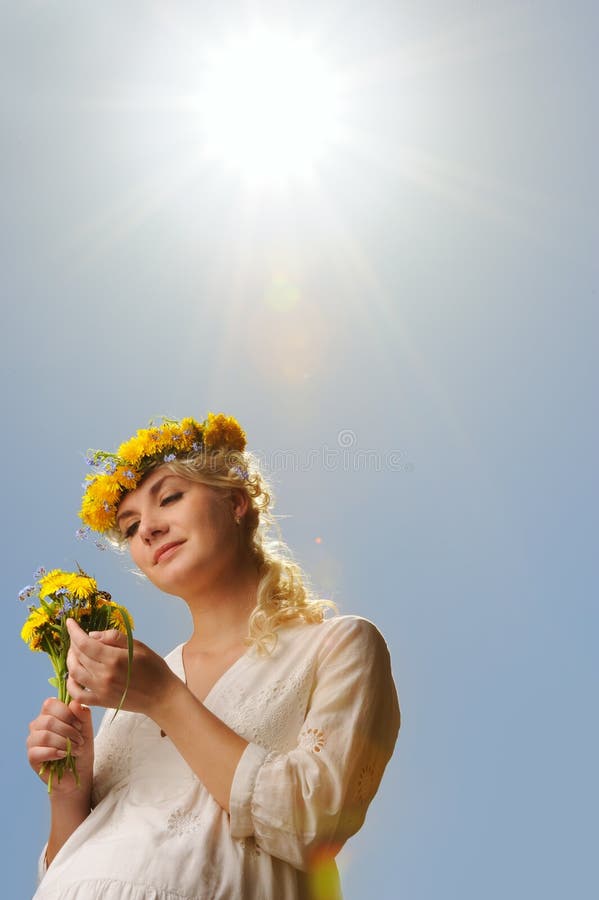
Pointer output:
x,y
178,580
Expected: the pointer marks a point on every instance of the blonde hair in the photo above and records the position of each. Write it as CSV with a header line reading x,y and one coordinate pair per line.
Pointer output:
x,y
283,595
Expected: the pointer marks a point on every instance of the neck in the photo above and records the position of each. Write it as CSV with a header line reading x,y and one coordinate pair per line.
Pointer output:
x,y
221,612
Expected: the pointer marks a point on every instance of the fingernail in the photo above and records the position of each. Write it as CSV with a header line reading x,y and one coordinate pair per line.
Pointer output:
x,y
94,634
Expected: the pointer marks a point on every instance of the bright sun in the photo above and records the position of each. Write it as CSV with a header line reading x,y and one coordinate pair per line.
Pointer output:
x,y
269,106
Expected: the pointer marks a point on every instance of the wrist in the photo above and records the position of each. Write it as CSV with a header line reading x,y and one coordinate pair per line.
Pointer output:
x,y
76,799
165,700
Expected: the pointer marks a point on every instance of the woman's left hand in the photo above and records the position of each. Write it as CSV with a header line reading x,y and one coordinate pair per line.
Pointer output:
x,y
98,663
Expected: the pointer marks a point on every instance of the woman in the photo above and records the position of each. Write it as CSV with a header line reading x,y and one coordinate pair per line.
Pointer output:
x,y
238,766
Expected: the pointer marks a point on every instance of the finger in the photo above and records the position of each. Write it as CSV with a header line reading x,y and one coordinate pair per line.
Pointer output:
x,y
112,637
82,713
82,675
87,647
58,710
82,695
80,662
39,755
84,719
80,642
49,723
76,632
49,740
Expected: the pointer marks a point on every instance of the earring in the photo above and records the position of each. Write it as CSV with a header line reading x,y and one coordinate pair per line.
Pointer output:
x,y
237,520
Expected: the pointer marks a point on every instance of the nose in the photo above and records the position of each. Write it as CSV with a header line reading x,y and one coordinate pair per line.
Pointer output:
x,y
151,527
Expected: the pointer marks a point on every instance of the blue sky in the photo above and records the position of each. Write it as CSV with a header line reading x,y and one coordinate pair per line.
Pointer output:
x,y
430,297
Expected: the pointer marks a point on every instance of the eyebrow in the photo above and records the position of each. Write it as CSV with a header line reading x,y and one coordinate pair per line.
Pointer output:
x,y
153,491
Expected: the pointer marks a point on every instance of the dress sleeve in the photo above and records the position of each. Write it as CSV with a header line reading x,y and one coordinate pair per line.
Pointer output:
x,y
310,800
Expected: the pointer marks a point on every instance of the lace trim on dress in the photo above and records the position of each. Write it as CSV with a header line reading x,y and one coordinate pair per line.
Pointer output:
x,y
265,717
368,779
181,822
312,739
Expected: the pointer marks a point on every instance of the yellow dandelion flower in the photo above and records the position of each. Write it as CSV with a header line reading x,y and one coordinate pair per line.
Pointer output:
x,y
116,618
104,518
133,450
169,436
126,478
191,433
87,505
157,442
222,431
96,515
37,619
37,642
106,488
82,586
53,581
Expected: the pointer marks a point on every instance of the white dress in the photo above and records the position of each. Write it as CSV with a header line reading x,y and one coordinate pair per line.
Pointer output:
x,y
321,717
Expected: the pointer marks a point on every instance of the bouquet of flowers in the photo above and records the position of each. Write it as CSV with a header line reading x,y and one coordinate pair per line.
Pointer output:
x,y
63,595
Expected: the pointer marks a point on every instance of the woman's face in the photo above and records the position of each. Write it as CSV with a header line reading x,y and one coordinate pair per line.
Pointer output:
x,y
181,534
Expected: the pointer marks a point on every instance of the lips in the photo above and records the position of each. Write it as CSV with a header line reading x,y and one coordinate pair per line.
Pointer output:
x,y
165,549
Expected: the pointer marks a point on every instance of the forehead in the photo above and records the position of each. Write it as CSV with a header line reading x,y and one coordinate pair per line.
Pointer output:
x,y
152,483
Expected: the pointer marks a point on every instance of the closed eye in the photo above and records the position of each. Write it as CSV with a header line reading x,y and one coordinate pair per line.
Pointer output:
x,y
171,498
132,529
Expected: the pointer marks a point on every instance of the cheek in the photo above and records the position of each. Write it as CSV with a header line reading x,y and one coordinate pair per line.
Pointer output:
x,y
211,522
221,527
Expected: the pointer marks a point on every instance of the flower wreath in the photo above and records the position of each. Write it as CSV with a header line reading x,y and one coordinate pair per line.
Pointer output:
x,y
115,474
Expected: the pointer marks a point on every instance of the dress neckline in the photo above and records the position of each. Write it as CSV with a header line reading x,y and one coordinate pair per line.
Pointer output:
x,y
180,670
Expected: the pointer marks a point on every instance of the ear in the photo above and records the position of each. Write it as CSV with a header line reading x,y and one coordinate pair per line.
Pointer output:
x,y
240,502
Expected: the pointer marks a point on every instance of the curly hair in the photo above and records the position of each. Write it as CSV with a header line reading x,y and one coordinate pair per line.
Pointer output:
x,y
283,594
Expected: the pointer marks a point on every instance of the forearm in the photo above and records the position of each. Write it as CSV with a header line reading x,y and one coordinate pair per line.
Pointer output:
x,y
66,815
210,748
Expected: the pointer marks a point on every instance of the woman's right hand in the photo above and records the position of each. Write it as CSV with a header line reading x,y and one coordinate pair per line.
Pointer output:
x,y
48,735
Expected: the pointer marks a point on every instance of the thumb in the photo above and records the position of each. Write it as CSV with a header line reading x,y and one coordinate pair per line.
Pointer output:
x,y
112,637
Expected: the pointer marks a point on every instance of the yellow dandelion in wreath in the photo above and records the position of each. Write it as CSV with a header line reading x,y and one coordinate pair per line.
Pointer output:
x,y
224,432
98,517
143,444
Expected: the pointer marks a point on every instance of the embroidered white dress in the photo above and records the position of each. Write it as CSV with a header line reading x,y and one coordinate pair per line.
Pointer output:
x,y
321,717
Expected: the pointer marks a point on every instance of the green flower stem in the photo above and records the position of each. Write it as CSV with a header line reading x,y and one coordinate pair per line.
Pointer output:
x,y
59,663
129,630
